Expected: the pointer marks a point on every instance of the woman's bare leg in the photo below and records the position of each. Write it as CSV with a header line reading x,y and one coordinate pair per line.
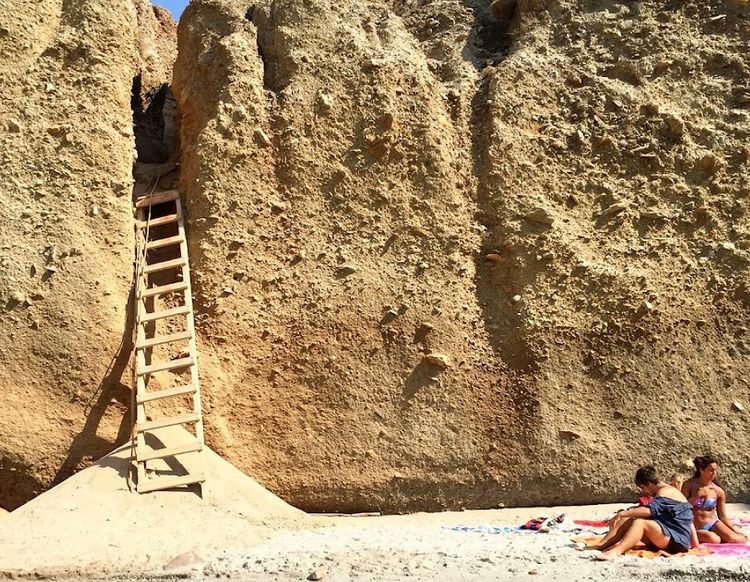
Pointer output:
x,y
645,530
615,533
727,534
708,537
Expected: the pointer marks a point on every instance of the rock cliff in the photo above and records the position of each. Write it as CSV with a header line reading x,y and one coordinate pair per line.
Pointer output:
x,y
445,254
70,71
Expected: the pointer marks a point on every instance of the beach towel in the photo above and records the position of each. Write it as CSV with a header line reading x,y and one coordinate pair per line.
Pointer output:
x,y
730,550
487,529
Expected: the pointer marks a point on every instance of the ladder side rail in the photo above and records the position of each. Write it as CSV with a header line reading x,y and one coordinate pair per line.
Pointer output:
x,y
192,346
141,283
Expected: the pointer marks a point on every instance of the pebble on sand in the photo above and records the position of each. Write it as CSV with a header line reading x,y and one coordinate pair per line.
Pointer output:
x,y
318,574
541,216
262,138
184,560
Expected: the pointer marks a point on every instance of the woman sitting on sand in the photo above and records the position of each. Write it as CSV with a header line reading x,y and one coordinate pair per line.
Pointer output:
x,y
709,504
666,523
616,521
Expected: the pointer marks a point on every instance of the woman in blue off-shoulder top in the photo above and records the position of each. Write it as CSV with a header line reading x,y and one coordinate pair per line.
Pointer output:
x,y
666,523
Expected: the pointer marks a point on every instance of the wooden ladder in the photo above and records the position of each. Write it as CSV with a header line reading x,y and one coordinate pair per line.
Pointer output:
x,y
166,359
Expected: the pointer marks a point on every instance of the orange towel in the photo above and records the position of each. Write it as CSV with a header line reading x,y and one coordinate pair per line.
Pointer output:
x,y
640,550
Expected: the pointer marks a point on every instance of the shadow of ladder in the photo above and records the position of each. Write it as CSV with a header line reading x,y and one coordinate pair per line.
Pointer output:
x,y
165,458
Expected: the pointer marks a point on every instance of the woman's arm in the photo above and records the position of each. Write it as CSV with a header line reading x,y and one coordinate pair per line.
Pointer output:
x,y
721,509
694,541
686,489
643,512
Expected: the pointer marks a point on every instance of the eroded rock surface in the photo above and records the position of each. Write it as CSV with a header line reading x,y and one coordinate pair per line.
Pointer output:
x,y
66,244
445,254
553,199
333,245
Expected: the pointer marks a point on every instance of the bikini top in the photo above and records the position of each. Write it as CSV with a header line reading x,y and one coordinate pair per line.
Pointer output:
x,y
706,503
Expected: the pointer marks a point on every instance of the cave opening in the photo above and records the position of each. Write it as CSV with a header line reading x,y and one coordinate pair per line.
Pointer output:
x,y
155,128
154,123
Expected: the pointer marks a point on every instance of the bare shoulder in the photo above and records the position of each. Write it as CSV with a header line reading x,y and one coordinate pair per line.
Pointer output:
x,y
719,491
672,493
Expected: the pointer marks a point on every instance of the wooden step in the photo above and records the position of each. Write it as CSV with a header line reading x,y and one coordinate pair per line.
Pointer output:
x,y
161,483
168,421
182,310
147,454
164,242
162,289
166,393
164,265
161,221
163,339
156,198
170,365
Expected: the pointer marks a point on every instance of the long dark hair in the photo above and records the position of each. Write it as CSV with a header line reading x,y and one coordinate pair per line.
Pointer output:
x,y
702,462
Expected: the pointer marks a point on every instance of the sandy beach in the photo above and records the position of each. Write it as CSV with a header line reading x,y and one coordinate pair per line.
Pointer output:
x,y
92,527
424,547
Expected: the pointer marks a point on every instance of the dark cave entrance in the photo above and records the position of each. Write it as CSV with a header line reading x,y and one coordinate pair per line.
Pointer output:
x,y
154,123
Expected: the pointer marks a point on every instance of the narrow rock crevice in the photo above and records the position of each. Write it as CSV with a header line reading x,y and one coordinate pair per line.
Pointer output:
x,y
155,128
492,35
154,122
278,68
488,44
497,276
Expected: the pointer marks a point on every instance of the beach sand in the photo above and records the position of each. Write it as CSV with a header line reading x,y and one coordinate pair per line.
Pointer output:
x,y
92,527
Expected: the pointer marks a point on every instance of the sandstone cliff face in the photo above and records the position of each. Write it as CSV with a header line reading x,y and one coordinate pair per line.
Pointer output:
x,y
66,242
445,254
333,249
615,186
555,200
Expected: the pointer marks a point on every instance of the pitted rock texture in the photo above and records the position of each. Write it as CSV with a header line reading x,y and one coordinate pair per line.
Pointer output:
x,y
66,245
333,249
445,258
445,254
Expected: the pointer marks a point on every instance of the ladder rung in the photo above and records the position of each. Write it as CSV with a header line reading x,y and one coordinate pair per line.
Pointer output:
x,y
168,421
166,313
170,365
151,454
164,242
163,339
168,219
166,393
159,483
160,290
164,265
156,198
